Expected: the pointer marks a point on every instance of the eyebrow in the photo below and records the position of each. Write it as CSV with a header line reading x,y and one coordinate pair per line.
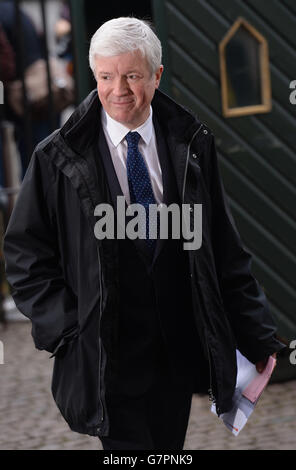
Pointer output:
x,y
134,71
127,73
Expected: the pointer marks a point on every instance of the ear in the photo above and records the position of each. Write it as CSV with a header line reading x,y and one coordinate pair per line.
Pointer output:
x,y
158,75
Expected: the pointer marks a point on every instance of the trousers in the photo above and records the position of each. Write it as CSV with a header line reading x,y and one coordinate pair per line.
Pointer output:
x,y
155,419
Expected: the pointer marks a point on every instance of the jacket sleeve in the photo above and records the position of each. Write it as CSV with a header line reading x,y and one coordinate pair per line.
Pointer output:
x,y
244,300
32,261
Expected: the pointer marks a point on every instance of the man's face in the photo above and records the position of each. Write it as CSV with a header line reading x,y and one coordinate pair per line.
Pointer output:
x,y
126,87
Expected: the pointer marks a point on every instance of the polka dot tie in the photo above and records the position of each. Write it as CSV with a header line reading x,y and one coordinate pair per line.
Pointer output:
x,y
139,181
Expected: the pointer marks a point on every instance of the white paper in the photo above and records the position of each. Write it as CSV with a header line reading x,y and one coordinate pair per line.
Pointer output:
x,y
236,418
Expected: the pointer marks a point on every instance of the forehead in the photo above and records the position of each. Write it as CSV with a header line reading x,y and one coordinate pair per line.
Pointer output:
x,y
123,63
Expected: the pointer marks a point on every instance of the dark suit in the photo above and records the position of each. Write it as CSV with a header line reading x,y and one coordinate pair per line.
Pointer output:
x,y
157,335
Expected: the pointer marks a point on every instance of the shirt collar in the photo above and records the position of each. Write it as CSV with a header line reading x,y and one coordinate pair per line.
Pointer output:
x,y
118,131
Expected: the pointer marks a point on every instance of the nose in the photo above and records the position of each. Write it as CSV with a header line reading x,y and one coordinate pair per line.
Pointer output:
x,y
120,86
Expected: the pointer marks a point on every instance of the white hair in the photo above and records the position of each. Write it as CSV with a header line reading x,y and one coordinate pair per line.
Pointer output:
x,y
126,34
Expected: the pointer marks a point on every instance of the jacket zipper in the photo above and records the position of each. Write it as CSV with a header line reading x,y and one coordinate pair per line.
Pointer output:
x,y
100,341
212,397
187,160
210,390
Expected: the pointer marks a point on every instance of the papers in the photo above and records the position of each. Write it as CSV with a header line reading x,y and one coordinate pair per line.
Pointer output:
x,y
249,387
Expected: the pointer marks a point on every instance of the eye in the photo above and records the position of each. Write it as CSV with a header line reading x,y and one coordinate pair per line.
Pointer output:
x,y
105,77
132,77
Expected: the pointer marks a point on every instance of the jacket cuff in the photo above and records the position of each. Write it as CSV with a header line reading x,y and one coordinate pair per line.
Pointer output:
x,y
264,351
67,338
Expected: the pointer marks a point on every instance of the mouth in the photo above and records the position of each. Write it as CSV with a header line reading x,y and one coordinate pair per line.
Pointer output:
x,y
122,103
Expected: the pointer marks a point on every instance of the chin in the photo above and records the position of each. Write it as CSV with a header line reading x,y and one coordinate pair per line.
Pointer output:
x,y
123,118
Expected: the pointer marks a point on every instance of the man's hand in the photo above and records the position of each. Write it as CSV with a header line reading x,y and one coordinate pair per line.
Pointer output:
x,y
260,366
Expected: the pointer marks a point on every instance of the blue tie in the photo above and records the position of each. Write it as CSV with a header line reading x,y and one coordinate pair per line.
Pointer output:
x,y
138,180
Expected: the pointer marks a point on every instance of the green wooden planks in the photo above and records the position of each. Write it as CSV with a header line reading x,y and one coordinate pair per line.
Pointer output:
x,y
281,53
256,217
277,16
202,85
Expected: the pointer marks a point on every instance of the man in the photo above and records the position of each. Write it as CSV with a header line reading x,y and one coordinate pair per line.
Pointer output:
x,y
135,326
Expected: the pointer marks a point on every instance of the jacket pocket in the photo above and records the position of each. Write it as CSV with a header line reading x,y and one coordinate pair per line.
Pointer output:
x,y
68,337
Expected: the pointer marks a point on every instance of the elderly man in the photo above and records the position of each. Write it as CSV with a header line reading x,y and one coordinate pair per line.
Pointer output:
x,y
135,325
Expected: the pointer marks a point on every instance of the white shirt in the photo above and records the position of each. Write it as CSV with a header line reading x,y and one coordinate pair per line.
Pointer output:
x,y
115,133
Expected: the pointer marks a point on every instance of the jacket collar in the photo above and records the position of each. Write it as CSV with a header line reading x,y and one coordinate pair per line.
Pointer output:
x,y
82,128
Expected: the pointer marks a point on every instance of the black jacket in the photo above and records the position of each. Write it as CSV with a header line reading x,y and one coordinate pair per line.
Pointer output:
x,y
63,277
